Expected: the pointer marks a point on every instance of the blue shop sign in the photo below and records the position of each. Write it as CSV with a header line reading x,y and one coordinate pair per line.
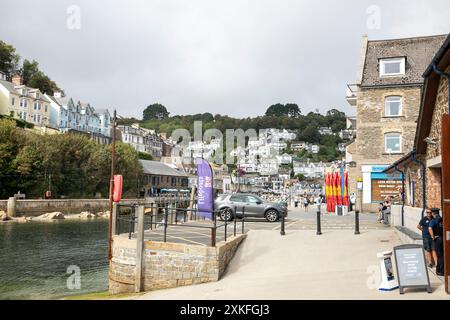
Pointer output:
x,y
385,176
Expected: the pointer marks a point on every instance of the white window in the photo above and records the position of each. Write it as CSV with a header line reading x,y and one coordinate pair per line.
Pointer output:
x,y
392,67
24,103
393,106
392,142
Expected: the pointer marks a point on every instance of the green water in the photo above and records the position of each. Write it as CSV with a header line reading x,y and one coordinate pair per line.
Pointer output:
x,y
35,257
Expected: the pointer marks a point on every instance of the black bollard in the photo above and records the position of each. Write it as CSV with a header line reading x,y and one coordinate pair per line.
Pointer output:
x,y
282,232
357,222
319,227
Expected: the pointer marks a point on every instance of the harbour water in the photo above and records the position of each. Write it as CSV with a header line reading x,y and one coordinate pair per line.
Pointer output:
x,y
35,259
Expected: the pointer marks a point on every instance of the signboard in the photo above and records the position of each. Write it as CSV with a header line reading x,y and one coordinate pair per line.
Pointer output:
x,y
412,269
382,188
205,199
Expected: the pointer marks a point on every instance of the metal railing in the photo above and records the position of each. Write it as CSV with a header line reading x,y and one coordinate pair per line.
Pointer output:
x,y
166,217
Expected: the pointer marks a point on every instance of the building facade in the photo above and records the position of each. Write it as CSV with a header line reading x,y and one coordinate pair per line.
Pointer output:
x,y
22,102
387,99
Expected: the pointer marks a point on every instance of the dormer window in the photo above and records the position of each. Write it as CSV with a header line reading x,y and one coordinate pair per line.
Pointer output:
x,y
392,66
37,95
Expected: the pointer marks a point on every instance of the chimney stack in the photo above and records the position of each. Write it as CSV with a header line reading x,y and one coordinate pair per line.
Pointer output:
x,y
17,80
57,94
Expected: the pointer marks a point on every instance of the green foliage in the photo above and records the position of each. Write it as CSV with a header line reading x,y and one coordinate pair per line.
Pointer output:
x,y
9,59
279,110
34,78
300,177
77,166
145,156
155,111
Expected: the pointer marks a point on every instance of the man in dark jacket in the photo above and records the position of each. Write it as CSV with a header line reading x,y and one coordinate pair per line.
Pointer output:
x,y
423,226
436,229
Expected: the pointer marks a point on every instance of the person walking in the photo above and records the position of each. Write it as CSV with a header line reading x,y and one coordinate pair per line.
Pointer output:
x,y
306,203
436,229
423,226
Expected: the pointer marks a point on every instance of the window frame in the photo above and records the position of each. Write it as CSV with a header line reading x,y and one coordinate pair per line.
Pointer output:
x,y
400,109
384,61
386,135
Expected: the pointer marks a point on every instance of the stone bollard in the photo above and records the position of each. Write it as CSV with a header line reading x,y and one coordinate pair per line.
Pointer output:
x,y
11,207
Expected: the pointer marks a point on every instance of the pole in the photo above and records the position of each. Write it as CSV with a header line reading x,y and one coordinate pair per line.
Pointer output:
x,y
111,183
357,222
319,228
282,232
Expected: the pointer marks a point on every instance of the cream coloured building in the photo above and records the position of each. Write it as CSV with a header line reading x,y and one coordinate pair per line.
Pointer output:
x,y
20,101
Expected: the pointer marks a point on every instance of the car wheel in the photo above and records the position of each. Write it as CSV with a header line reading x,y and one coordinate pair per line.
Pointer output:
x,y
272,216
226,214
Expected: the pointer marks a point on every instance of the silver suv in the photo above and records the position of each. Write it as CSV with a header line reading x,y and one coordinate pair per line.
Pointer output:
x,y
230,206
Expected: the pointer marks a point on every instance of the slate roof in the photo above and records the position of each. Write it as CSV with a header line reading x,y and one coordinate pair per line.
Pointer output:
x,y
159,168
418,51
9,86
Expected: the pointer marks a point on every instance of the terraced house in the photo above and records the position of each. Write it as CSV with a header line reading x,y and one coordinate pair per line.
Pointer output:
x,y
387,99
20,101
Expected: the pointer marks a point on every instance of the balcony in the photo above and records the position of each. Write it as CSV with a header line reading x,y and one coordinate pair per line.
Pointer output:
x,y
350,94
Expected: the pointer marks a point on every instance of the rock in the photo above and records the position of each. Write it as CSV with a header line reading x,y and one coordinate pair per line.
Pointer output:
x,y
24,219
87,215
51,216
4,216
105,214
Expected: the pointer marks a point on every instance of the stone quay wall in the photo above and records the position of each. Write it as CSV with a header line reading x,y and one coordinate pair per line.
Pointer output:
x,y
168,265
66,206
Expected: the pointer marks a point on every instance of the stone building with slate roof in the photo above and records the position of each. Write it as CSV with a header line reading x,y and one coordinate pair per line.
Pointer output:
x,y
387,99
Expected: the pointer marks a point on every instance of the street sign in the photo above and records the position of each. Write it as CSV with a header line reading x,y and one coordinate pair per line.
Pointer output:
x,y
359,186
411,266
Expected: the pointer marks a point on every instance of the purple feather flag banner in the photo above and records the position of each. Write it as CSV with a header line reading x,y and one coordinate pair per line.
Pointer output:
x,y
205,201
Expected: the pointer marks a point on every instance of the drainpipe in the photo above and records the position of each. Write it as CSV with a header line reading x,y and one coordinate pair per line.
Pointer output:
x,y
443,74
424,182
403,194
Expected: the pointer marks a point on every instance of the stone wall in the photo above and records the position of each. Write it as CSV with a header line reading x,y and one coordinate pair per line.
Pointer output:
x,y
168,265
372,123
66,206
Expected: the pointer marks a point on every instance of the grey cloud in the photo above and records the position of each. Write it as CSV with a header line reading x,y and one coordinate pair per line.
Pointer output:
x,y
230,57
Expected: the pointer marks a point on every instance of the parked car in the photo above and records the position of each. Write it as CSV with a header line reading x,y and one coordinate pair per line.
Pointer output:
x,y
230,206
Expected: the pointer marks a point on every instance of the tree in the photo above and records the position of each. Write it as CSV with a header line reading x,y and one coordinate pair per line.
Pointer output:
x,y
145,156
276,110
9,59
35,78
155,111
279,110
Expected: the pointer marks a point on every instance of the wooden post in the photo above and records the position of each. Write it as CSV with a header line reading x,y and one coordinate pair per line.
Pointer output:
x,y
445,153
115,219
138,283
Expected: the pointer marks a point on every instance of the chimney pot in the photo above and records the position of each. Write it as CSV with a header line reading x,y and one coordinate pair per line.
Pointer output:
x,y
17,80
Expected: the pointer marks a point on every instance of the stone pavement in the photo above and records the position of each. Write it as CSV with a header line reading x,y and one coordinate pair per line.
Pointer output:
x,y
301,265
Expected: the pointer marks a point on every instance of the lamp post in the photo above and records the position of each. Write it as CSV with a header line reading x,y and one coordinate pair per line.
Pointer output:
x,y
111,182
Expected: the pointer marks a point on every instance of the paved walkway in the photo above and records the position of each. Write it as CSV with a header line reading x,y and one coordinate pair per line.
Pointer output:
x,y
301,265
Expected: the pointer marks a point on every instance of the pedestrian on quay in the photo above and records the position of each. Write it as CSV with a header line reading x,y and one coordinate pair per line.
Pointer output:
x,y
423,226
306,203
436,229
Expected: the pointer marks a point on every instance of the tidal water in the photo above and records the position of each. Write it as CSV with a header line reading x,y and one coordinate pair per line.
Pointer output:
x,y
35,259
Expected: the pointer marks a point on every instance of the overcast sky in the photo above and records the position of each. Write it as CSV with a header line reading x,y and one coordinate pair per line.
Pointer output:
x,y
233,57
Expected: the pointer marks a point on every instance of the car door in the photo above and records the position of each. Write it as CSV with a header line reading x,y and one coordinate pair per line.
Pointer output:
x,y
254,206
238,202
